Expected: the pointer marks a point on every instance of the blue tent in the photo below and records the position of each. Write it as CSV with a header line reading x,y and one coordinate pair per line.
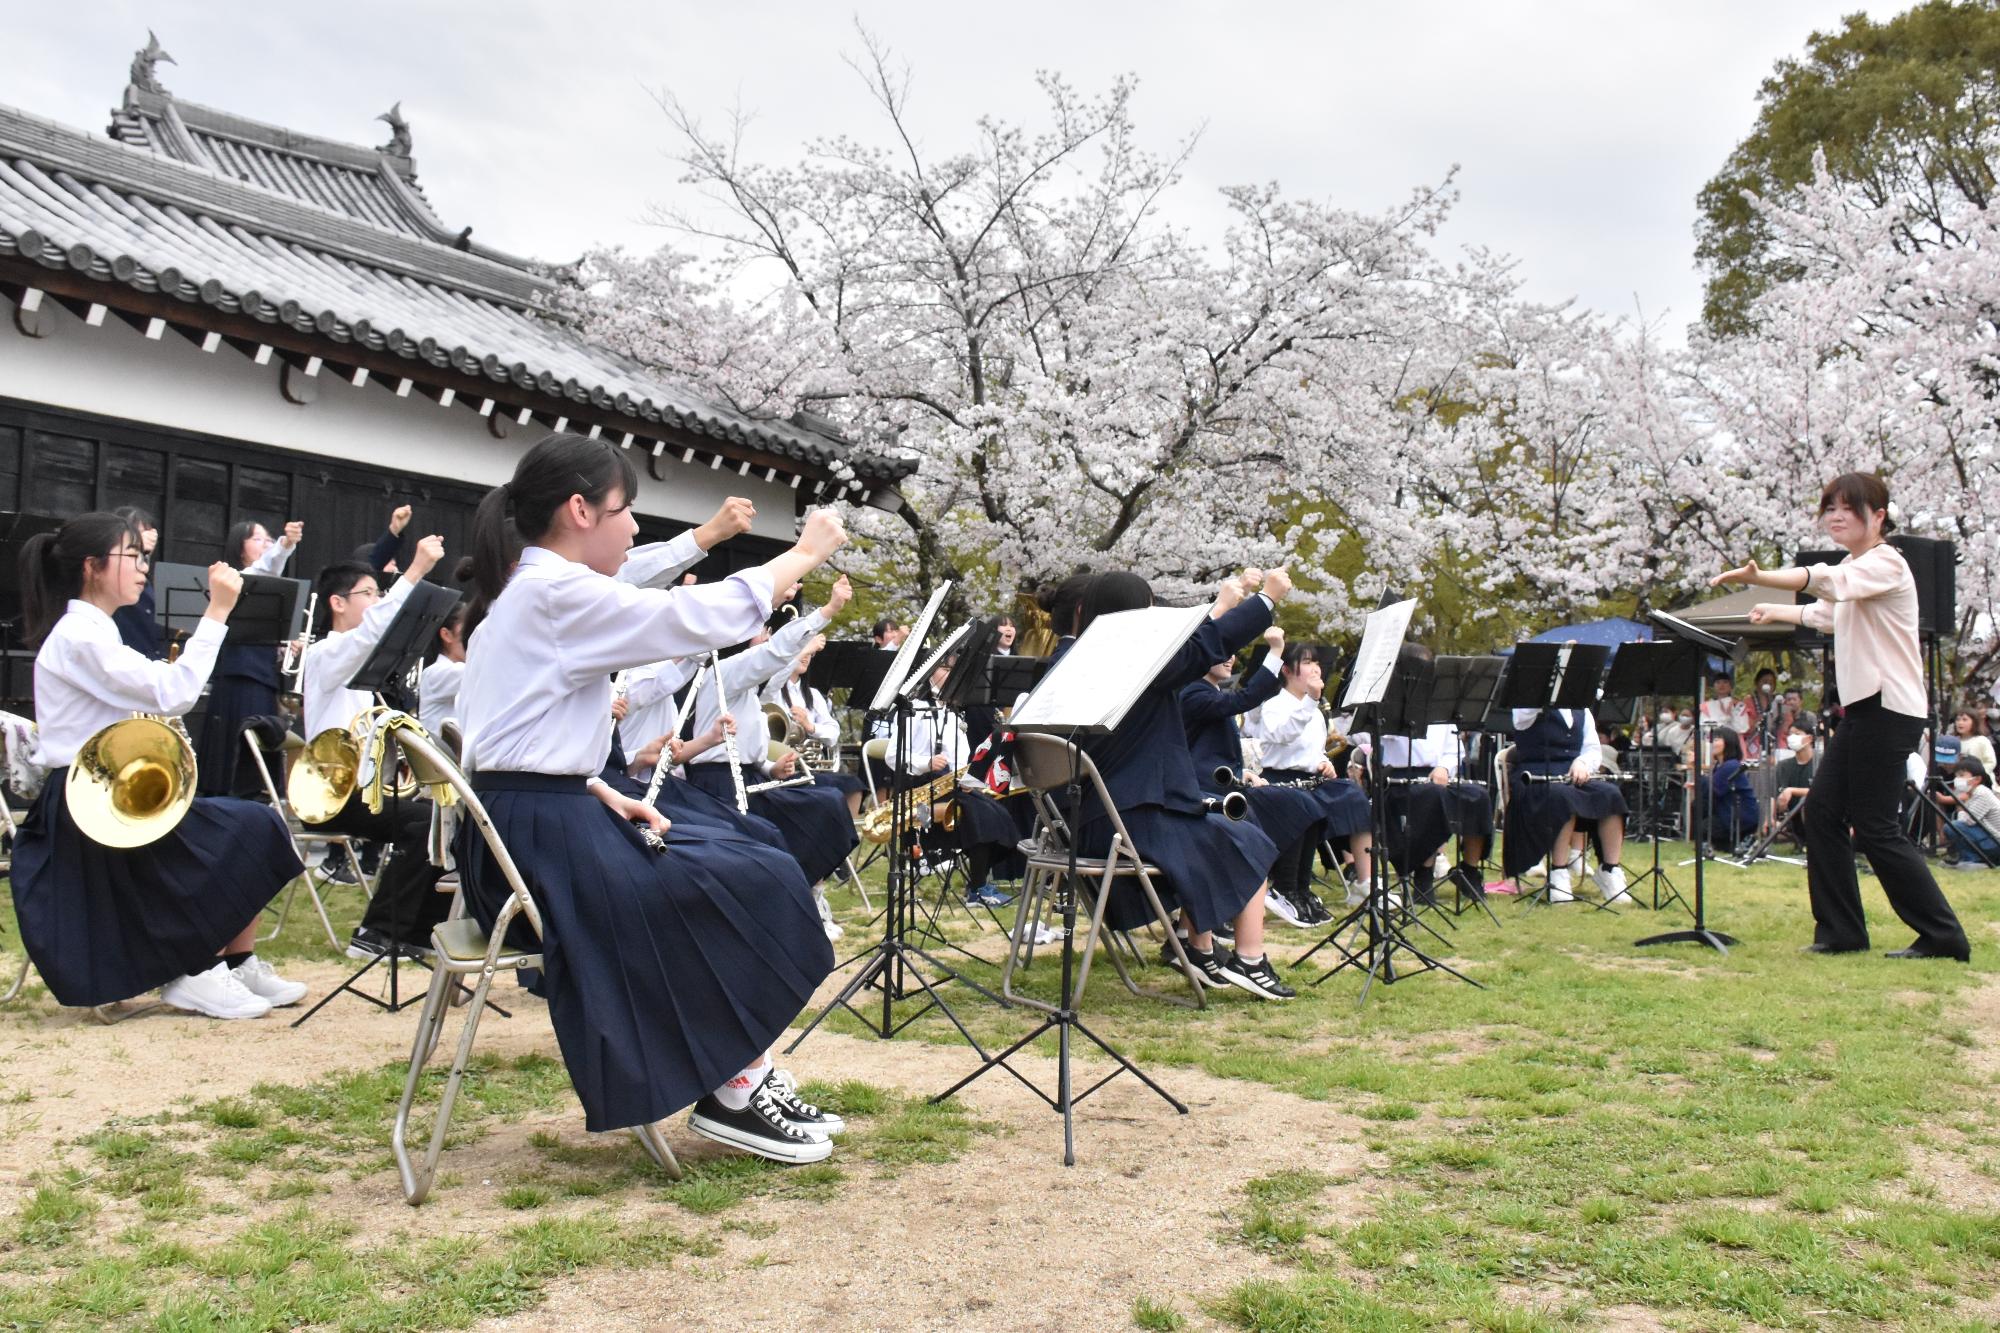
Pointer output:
x,y
1611,633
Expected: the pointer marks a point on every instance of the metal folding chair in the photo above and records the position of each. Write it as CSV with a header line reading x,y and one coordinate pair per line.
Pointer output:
x,y
14,729
465,950
1045,765
304,839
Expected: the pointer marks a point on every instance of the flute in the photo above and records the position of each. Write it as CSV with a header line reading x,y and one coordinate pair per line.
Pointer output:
x,y
663,763
729,740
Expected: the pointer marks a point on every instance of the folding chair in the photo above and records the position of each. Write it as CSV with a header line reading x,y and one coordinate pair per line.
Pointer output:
x,y
464,950
1045,764
15,732
304,839
874,757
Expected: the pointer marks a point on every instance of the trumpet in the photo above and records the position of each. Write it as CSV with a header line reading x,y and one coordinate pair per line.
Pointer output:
x,y
132,782
879,825
295,659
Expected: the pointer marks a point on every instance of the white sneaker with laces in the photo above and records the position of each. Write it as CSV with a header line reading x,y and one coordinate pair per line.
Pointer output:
x,y
216,993
1278,905
1610,881
834,930
262,980
1562,885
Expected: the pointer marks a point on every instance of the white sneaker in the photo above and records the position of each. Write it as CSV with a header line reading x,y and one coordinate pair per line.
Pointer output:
x,y
832,928
216,993
1562,885
262,980
1278,905
1610,882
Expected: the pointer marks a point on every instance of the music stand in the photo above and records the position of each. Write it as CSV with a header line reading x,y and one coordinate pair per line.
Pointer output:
x,y
1699,933
409,635
1543,676
1462,689
1382,688
1076,699
894,962
180,596
1649,670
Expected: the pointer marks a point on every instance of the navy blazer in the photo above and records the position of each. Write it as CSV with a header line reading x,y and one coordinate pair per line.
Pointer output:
x,y
1210,714
139,627
1145,761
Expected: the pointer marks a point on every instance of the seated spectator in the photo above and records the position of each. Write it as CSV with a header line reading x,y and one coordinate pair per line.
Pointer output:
x,y
1973,740
1975,832
1794,775
1732,801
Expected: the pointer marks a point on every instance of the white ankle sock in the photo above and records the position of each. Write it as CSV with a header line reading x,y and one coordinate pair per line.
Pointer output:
x,y
736,1093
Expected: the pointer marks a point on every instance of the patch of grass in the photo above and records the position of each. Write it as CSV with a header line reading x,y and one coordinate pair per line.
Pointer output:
x,y
1157,1316
54,1214
523,1197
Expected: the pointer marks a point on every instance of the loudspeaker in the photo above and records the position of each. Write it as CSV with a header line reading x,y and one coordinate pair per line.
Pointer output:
x,y
1933,565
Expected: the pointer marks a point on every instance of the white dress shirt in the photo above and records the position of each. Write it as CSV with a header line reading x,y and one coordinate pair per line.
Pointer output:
x,y
1291,729
1436,748
1592,752
742,677
86,679
650,710
272,562
537,691
437,694
932,733
334,658
660,564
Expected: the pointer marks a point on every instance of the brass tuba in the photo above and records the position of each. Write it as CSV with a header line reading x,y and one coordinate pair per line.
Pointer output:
x,y
132,782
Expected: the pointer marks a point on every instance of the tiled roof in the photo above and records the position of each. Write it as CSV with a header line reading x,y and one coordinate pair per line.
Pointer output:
x,y
125,215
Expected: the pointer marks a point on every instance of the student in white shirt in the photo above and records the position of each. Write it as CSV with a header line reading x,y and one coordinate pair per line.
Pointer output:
x,y
245,682
811,712
667,974
437,686
357,612
103,924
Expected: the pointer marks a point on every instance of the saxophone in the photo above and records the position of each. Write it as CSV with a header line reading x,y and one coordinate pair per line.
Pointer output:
x,y
879,825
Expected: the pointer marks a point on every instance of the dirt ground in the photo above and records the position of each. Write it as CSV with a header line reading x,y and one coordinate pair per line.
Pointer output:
x,y
1005,1237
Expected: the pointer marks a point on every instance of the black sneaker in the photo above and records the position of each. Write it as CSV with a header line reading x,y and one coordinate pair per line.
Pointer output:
x,y
366,943
761,1128
1259,978
1167,958
1467,881
810,1118
336,870
1208,967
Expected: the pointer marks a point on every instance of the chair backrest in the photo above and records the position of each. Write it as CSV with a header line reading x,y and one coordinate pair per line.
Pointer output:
x,y
426,756
1045,765
290,746
874,754
453,737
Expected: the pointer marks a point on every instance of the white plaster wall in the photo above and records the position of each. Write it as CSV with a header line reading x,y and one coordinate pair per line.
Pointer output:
x,y
114,370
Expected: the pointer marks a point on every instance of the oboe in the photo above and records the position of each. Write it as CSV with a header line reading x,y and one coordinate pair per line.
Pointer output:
x,y
729,740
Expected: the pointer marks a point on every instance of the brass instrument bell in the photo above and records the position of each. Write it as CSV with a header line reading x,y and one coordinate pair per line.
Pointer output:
x,y
132,783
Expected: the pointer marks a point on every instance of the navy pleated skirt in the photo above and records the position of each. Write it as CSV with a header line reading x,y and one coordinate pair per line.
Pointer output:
x,y
1286,814
1210,866
232,701
1425,815
1537,811
1344,802
813,823
666,972
105,924
844,783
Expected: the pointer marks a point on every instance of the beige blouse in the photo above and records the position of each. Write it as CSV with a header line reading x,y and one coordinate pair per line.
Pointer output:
x,y
1869,604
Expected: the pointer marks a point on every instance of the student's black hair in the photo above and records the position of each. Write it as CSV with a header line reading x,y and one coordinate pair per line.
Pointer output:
x,y
881,627
1062,602
1732,748
139,518
1723,678
1109,593
1971,767
455,622
522,511
338,580
52,566
232,545
1297,655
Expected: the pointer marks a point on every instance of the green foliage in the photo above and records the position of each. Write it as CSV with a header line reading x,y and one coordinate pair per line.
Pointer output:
x,y
1905,106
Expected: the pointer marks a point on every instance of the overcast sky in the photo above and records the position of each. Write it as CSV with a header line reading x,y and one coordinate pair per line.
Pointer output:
x,y
1582,128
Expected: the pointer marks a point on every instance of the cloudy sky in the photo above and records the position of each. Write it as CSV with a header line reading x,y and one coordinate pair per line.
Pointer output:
x,y
1582,128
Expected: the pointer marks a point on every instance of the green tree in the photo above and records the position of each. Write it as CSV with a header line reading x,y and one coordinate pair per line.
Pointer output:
x,y
1904,110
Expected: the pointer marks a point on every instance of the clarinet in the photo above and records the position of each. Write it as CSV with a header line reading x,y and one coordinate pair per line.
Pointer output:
x,y
729,741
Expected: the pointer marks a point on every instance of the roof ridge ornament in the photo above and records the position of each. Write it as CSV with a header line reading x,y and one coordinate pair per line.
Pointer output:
x,y
145,63
399,132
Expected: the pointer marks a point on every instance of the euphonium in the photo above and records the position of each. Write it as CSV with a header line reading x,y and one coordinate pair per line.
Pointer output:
x,y
784,729
879,824
132,782
325,774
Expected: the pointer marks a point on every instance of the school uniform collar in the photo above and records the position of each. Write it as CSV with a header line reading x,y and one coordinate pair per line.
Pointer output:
x,y
543,556
77,606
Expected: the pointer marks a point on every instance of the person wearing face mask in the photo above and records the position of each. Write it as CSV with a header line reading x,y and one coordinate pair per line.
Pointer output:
x,y
1794,774
1975,830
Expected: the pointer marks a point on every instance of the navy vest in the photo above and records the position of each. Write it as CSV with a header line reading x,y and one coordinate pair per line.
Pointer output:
x,y
1549,746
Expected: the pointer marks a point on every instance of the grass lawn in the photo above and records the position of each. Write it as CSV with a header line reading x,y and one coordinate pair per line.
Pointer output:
x,y
1601,1134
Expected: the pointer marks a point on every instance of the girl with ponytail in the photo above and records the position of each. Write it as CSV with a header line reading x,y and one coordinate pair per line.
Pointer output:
x,y
104,924
667,974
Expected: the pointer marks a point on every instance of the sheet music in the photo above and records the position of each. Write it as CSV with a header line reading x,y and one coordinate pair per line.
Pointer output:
x,y
916,679
1381,641
1107,669
885,693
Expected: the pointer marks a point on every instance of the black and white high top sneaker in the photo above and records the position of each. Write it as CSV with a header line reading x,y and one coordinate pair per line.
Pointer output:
x,y
762,1128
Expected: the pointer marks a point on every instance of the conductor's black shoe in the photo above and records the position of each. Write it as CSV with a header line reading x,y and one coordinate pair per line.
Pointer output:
x,y
1818,947
1921,950
1259,978
760,1127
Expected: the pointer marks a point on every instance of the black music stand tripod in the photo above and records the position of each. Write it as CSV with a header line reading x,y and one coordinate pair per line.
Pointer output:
x,y
1554,675
1697,638
414,627
1462,690
896,966
1652,670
